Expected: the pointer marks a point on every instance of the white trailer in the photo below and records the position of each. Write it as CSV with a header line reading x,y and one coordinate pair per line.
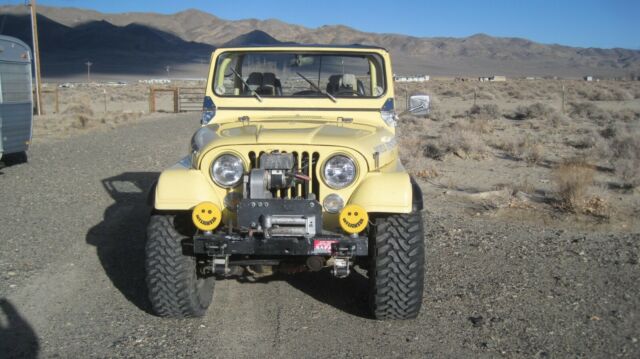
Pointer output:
x,y
16,99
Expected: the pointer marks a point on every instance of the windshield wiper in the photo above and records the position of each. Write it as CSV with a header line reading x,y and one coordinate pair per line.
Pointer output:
x,y
315,87
246,84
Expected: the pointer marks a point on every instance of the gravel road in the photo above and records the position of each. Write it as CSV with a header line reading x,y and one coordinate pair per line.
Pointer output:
x,y
72,224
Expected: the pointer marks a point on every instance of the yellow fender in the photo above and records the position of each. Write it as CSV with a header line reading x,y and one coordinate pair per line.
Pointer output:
x,y
390,192
180,188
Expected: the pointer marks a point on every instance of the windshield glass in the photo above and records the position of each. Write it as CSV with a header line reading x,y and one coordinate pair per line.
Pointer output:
x,y
288,74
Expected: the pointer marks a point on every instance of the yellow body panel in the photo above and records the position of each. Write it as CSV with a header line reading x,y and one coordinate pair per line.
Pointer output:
x,y
312,125
182,189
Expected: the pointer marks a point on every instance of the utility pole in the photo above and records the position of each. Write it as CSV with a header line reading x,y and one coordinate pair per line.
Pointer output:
x,y
88,63
36,55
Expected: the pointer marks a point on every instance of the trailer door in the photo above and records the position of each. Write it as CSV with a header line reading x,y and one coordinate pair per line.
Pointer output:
x,y
16,109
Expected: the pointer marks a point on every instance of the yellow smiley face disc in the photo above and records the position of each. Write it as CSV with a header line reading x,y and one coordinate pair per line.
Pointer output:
x,y
206,216
353,219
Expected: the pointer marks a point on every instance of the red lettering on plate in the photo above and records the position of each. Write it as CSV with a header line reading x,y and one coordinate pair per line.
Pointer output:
x,y
322,246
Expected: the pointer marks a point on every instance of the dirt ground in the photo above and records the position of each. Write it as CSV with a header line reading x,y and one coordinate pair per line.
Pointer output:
x,y
532,236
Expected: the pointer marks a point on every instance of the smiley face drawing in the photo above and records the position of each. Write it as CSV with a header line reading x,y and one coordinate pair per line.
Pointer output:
x,y
353,219
206,216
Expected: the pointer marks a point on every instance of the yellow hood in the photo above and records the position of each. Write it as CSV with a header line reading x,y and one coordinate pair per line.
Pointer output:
x,y
365,139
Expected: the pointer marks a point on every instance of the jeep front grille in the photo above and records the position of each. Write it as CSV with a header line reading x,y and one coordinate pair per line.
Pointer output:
x,y
305,163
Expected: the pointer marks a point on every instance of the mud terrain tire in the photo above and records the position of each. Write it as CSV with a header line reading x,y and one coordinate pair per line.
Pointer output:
x,y
175,289
397,266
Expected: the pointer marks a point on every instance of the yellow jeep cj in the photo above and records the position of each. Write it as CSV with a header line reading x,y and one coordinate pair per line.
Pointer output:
x,y
295,168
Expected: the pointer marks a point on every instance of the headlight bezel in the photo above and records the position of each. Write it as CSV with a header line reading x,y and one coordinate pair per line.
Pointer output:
x,y
220,183
328,183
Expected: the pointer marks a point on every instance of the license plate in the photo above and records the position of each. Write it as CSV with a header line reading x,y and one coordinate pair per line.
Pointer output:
x,y
323,246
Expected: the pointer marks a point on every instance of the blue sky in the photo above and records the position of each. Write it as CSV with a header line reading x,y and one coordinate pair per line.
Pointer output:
x,y
586,23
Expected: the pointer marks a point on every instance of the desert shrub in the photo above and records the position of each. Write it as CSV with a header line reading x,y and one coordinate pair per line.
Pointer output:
x,y
581,142
78,109
451,93
626,115
515,94
525,149
490,111
594,92
437,115
485,95
609,132
462,143
432,150
589,111
572,180
626,159
537,110
557,119
481,125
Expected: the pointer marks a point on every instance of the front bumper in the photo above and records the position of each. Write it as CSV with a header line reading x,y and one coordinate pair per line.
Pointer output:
x,y
223,244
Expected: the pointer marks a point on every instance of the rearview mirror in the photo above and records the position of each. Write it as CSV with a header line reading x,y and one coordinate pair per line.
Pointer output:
x,y
301,60
420,105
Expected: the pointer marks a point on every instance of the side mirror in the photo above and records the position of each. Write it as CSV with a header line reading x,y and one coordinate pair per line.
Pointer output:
x,y
420,105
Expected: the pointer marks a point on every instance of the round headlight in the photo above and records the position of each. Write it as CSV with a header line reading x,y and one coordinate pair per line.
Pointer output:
x,y
333,203
227,170
339,172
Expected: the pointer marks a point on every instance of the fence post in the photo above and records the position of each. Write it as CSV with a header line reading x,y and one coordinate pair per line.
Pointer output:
x,y
475,95
563,99
57,99
152,100
176,99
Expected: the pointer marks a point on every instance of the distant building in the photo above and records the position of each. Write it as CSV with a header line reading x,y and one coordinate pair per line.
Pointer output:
x,y
530,78
414,78
588,78
492,79
155,81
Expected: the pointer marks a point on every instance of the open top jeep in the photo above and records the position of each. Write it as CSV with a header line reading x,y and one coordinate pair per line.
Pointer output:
x,y
295,168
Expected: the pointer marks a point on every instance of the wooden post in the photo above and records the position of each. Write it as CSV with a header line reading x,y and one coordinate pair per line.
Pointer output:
x,y
475,95
57,97
152,100
176,99
36,55
563,98
105,100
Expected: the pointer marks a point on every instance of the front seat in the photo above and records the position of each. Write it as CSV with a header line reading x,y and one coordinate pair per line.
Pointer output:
x,y
254,81
346,83
270,85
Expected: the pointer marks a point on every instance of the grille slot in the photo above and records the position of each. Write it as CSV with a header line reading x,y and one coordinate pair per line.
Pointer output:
x,y
304,162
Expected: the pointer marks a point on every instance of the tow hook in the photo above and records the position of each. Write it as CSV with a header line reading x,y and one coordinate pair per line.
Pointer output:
x,y
340,267
221,265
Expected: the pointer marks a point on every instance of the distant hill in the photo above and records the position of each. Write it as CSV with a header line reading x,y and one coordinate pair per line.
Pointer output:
x,y
255,37
186,38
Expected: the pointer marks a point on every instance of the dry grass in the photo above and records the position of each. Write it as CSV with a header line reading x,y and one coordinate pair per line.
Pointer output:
x,y
535,111
626,159
462,143
572,180
487,111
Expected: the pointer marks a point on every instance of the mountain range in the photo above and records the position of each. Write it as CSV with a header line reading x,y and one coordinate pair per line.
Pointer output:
x,y
144,44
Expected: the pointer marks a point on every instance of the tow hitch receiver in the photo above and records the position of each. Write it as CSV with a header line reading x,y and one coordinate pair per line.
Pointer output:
x,y
340,267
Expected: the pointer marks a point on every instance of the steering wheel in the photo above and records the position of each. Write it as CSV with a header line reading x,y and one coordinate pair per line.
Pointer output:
x,y
305,93
347,92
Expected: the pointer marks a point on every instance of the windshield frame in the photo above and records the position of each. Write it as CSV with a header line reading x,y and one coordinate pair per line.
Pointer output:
x,y
356,53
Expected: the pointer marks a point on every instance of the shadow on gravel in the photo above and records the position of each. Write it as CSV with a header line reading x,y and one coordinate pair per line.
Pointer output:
x,y
17,338
120,237
348,295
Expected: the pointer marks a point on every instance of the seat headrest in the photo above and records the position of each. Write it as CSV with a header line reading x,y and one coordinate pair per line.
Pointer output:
x,y
255,79
349,81
268,79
